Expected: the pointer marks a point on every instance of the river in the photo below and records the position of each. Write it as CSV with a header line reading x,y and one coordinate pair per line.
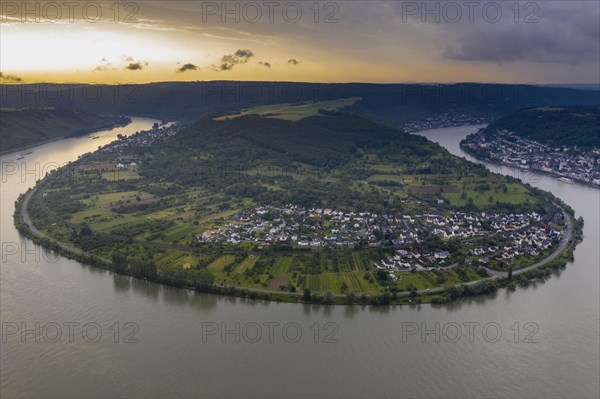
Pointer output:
x,y
540,341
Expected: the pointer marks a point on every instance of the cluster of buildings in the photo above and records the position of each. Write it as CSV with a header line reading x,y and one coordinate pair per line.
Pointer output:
x,y
464,225
520,238
404,260
443,120
143,138
314,227
527,242
520,234
568,162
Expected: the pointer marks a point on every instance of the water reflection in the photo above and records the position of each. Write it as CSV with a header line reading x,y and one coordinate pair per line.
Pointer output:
x,y
121,283
146,289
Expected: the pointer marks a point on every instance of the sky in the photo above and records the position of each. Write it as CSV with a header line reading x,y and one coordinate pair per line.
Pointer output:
x,y
312,41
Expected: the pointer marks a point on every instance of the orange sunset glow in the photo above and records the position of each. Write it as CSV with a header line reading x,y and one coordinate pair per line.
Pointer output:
x,y
384,42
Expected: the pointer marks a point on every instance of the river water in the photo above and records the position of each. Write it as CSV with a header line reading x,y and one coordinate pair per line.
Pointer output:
x,y
101,335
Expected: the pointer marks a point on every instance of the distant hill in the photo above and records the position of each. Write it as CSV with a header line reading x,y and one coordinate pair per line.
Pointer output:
x,y
24,127
578,86
392,104
555,126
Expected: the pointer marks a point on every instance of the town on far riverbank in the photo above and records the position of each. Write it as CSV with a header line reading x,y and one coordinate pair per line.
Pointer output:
x,y
562,141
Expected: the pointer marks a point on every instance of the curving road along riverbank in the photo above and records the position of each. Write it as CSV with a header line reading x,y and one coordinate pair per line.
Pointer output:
x,y
494,274
39,234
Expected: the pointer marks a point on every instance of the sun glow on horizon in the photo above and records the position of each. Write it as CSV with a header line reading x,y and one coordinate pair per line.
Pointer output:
x,y
44,50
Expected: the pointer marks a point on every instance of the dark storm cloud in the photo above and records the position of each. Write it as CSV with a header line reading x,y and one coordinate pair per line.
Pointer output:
x,y
293,61
230,60
553,39
10,78
187,67
266,64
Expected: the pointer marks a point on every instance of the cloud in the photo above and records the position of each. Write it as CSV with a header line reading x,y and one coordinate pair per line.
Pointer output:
x,y
137,66
104,66
266,64
10,78
187,67
293,61
552,40
230,60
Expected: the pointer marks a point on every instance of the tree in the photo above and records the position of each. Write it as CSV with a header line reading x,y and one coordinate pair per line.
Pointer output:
x,y
510,273
85,231
144,269
328,298
307,295
350,298
119,261
344,286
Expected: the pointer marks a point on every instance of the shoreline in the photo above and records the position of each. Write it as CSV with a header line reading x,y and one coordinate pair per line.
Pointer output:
x,y
27,147
52,140
557,176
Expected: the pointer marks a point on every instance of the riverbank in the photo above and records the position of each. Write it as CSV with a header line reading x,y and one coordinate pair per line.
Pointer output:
x,y
494,162
121,122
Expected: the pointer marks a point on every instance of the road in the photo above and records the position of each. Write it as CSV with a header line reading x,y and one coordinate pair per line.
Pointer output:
x,y
39,234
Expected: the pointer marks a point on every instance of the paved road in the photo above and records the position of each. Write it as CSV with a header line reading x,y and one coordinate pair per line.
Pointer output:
x,y
39,234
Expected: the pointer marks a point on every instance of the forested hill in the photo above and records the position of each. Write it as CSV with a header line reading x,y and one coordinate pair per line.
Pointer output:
x,y
20,128
324,142
555,126
334,159
393,104
314,159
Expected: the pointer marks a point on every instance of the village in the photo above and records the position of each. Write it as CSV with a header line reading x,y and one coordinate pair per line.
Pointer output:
x,y
443,120
143,138
509,149
524,234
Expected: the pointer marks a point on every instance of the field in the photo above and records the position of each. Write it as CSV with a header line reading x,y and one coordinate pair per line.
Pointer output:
x,y
515,194
450,189
294,112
